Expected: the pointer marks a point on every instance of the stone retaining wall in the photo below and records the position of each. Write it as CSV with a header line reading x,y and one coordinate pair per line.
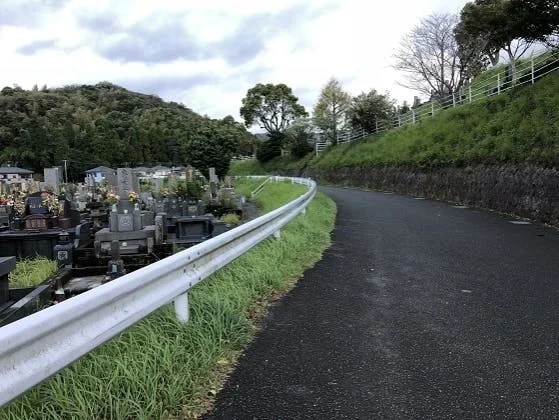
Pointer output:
x,y
523,190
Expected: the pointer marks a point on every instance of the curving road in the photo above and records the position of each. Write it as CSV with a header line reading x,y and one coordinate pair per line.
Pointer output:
x,y
418,310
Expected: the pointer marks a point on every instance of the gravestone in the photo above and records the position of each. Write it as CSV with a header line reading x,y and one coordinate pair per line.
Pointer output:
x,y
158,185
34,205
7,264
53,178
213,183
161,206
5,213
126,181
172,181
145,196
213,176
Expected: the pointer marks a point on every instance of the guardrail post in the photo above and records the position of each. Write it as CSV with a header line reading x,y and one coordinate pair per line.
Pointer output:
x,y
413,115
532,66
470,92
453,100
181,307
277,234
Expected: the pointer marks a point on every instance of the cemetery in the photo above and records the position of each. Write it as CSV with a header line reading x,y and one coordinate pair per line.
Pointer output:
x,y
110,225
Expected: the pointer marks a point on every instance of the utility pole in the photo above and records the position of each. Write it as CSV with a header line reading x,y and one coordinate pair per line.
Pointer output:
x,y
65,171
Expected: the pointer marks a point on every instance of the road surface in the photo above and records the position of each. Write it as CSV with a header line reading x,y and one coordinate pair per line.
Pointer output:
x,y
418,310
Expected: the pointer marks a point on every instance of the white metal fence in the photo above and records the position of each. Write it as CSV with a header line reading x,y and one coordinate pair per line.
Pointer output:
x,y
496,82
45,342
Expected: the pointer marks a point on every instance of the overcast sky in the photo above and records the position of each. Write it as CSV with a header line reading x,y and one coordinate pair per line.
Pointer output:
x,y
207,54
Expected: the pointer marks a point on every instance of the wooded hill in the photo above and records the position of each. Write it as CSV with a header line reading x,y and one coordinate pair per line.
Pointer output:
x,y
108,125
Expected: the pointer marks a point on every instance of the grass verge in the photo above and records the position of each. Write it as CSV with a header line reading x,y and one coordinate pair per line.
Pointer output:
x,y
160,368
29,273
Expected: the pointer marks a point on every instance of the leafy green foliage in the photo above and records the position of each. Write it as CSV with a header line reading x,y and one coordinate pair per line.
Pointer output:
x,y
108,125
369,109
272,106
299,137
520,125
271,147
330,110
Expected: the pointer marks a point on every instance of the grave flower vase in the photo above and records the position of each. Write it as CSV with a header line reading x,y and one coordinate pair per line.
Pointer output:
x,y
16,224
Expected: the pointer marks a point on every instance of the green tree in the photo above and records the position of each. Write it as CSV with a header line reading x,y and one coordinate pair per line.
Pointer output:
x,y
329,113
299,137
538,20
497,26
274,107
371,111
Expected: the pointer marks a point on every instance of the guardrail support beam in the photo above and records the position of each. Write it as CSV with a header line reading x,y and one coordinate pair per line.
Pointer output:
x,y
181,307
277,234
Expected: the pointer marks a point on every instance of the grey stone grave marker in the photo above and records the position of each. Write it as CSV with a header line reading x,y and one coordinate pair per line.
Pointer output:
x,y
125,182
53,178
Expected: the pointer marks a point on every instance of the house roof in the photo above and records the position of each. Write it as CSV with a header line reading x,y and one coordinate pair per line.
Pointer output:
x,y
160,168
14,170
99,169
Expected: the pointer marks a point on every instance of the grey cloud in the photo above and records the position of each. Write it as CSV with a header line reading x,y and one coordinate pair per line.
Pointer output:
x,y
35,46
249,39
104,23
164,38
145,42
27,13
165,85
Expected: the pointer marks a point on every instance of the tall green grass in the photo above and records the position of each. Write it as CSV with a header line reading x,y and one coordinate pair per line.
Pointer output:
x,y
160,368
517,126
31,272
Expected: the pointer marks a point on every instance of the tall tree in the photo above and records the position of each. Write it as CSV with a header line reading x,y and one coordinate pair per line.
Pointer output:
x,y
329,113
274,107
431,58
499,28
371,111
538,20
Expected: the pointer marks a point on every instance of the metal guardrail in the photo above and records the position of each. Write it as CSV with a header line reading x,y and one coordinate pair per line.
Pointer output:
x,y
45,342
259,189
527,72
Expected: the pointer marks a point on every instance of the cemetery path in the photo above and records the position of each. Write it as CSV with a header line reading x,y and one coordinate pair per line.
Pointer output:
x,y
418,310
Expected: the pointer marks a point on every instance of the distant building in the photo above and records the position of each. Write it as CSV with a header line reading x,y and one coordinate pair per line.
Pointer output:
x,y
101,173
14,175
160,171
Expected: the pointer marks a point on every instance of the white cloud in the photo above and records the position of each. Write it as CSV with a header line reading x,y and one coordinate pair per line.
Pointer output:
x,y
207,54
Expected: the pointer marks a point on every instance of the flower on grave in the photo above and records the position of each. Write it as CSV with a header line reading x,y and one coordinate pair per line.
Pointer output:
x,y
18,204
112,198
164,192
6,200
50,202
133,197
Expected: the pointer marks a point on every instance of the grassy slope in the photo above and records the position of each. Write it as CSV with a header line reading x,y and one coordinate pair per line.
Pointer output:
x,y
279,164
160,368
520,125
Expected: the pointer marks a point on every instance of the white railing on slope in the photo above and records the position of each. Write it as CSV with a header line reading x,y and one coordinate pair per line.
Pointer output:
x,y
527,72
45,342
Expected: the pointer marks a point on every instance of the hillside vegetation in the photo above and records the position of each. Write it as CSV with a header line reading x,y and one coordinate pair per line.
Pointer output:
x,y
517,126
108,125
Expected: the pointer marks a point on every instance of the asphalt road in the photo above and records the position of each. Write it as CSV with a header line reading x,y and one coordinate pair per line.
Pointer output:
x,y
418,310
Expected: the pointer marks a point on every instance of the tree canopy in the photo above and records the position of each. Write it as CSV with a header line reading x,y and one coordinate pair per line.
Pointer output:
x,y
329,113
272,106
371,110
108,125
